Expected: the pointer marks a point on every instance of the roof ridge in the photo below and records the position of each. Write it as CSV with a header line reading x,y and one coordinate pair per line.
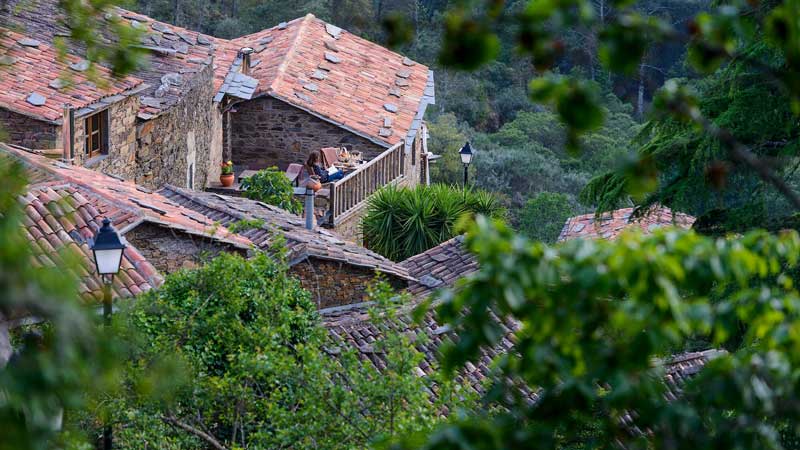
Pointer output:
x,y
290,53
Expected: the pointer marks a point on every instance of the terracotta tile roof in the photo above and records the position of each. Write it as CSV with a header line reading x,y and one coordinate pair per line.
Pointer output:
x,y
338,76
142,204
678,370
440,266
32,79
301,243
335,75
611,224
60,217
177,54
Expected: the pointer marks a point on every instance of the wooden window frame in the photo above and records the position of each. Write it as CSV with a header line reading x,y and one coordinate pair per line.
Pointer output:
x,y
96,125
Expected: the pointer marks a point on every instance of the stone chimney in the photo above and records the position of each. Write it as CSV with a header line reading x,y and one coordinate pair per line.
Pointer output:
x,y
68,133
246,52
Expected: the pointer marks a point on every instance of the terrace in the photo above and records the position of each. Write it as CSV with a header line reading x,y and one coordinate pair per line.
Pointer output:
x,y
337,201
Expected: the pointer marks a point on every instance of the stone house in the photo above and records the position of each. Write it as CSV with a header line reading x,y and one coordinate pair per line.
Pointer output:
x,y
65,206
261,100
156,126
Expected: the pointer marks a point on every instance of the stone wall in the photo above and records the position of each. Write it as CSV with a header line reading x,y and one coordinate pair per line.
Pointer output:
x,y
334,283
121,157
22,130
171,250
267,132
182,138
350,228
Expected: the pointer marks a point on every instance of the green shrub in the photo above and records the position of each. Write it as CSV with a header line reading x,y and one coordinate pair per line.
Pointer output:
x,y
403,222
543,216
273,188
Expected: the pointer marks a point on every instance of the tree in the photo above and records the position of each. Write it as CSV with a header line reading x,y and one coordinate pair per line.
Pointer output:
x,y
403,222
592,342
253,368
49,369
544,215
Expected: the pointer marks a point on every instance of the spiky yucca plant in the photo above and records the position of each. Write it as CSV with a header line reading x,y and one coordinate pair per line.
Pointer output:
x,y
402,222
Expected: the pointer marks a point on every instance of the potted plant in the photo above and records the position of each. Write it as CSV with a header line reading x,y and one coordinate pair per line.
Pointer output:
x,y
226,174
313,183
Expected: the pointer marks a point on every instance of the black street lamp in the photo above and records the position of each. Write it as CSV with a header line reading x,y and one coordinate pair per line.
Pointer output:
x,y
107,249
466,158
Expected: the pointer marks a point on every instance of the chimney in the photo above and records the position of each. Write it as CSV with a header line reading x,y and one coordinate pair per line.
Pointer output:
x,y
245,52
309,208
68,133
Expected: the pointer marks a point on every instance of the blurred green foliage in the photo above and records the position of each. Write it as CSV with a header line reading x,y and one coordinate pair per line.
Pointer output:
x,y
593,343
54,365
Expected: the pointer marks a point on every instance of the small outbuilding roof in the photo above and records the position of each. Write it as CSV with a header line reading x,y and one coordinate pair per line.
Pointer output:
x,y
300,242
440,266
610,224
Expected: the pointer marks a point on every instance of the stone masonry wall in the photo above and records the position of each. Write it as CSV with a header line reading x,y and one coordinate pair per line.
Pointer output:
x,y
28,132
184,136
350,228
121,158
170,250
267,132
336,284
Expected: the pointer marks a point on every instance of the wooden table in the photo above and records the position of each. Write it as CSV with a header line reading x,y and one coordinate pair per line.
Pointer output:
x,y
348,167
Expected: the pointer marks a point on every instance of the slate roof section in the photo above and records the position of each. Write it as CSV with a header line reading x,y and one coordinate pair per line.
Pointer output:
x,y
440,266
29,81
353,327
62,217
301,243
353,77
612,223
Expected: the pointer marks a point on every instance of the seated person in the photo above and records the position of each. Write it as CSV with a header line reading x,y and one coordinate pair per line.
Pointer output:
x,y
314,168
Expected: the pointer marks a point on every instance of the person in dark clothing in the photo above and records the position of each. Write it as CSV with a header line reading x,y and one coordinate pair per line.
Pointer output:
x,y
314,167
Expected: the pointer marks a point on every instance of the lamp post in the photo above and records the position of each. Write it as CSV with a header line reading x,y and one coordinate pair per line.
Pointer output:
x,y
466,158
107,249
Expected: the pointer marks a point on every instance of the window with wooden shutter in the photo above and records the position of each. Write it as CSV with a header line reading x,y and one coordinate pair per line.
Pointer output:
x,y
97,134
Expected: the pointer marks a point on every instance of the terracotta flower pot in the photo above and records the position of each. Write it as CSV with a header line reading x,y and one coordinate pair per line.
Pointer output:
x,y
313,184
226,180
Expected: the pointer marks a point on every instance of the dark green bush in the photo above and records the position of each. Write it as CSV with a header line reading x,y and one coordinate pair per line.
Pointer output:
x,y
543,216
273,188
403,222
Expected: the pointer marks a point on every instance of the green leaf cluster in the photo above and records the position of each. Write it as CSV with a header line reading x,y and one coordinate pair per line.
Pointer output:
x,y
402,222
271,186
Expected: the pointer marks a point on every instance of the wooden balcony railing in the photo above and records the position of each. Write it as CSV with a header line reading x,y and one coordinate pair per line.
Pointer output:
x,y
349,192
